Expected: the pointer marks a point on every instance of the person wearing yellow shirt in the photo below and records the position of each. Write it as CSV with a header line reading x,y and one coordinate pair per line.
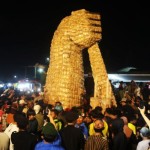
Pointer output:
x,y
104,131
131,124
95,115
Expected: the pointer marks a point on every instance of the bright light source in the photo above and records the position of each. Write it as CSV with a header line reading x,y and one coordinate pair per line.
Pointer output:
x,y
24,86
9,84
15,76
28,86
1,85
47,59
39,89
115,77
40,70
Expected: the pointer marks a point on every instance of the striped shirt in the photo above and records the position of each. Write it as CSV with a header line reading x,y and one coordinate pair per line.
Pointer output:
x,y
96,142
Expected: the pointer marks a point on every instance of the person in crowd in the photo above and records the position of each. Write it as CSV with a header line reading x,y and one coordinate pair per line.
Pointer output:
x,y
94,115
126,108
54,113
35,97
21,105
30,105
33,123
97,140
1,115
119,140
132,88
5,137
81,125
12,128
50,136
132,123
85,105
72,137
13,110
51,139
39,116
58,106
146,92
121,90
110,115
131,137
144,143
4,141
87,120
23,140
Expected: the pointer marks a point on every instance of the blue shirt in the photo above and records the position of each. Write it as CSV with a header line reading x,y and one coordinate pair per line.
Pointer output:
x,y
56,145
83,129
48,146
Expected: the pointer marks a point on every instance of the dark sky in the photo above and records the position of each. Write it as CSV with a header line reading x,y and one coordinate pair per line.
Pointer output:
x,y
27,28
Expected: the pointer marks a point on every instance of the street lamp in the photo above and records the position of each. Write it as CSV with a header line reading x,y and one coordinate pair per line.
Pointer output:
x,y
41,70
37,68
47,59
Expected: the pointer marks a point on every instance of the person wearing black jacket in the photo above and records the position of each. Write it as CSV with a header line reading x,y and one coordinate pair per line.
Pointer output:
x,y
23,140
72,137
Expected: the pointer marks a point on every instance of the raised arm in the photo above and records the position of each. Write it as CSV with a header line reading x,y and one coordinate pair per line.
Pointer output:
x,y
142,111
51,119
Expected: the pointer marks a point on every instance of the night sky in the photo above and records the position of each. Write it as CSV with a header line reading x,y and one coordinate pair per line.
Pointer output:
x,y
27,28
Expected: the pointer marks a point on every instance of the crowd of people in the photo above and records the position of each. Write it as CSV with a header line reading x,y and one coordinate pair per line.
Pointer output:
x,y
27,123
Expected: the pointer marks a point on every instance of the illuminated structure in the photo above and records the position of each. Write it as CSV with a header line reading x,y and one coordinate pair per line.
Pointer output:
x,y
28,86
65,76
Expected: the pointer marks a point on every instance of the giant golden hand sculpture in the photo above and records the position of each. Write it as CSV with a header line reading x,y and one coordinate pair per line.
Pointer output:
x,y
65,75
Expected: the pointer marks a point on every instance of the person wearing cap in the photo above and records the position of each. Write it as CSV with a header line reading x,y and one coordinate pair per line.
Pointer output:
x,y
51,139
72,137
144,144
50,136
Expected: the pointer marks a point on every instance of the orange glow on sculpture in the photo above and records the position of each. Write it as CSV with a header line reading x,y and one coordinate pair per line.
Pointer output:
x,y
65,76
